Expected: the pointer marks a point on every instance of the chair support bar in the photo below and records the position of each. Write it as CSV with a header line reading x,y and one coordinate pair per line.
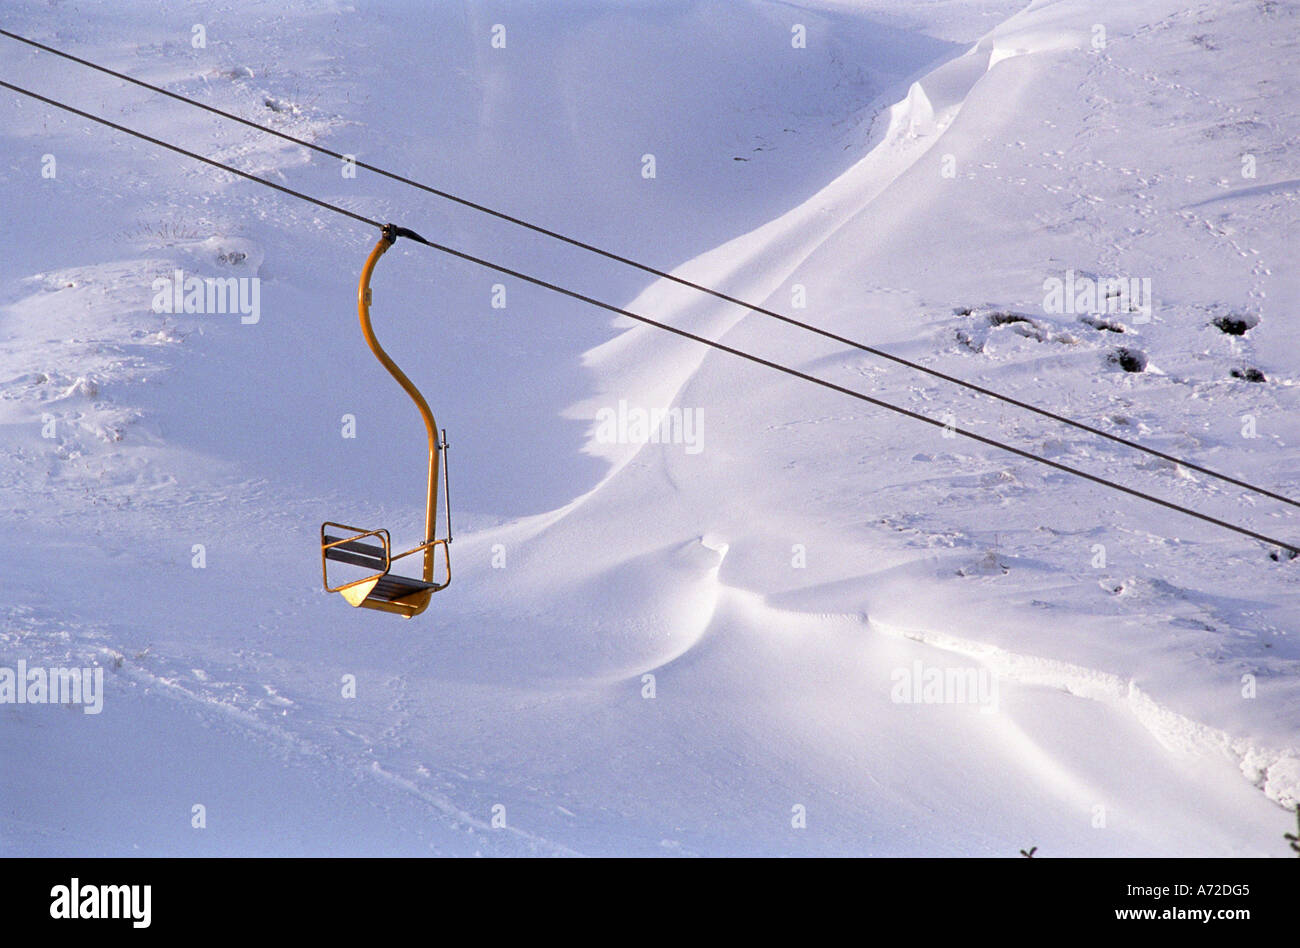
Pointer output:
x,y
395,594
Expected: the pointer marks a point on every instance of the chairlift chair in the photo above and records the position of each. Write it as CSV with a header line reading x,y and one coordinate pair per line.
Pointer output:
x,y
372,549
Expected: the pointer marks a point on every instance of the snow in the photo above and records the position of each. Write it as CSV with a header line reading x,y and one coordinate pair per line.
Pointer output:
x,y
915,174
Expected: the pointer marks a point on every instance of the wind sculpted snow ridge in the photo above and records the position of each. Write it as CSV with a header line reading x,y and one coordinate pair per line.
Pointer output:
x,y
1275,771
760,265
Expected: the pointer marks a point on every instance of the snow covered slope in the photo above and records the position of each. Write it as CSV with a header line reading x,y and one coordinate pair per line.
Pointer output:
x,y
797,624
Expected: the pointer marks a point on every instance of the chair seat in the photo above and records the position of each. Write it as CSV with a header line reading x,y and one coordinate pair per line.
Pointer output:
x,y
406,596
392,587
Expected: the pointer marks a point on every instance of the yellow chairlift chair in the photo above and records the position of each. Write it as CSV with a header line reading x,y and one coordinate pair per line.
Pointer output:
x,y
402,595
